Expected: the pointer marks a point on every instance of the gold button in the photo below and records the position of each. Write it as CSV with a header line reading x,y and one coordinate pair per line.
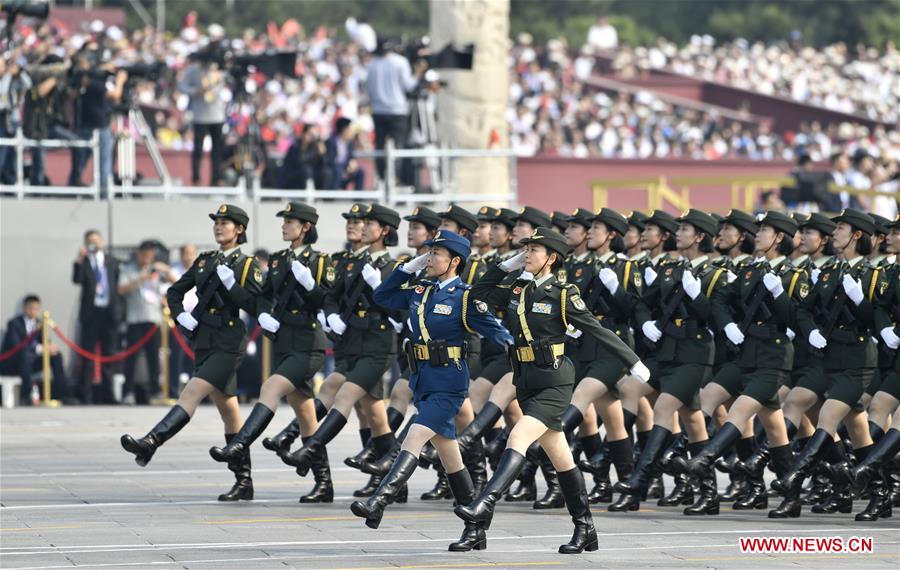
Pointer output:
x,y
777,341
862,338
618,333
381,327
699,337
231,323
314,325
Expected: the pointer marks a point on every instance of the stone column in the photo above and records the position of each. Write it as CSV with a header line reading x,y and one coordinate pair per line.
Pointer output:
x,y
472,108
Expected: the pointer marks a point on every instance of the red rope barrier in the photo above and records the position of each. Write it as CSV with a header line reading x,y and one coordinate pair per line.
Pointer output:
x,y
182,342
254,334
22,344
101,359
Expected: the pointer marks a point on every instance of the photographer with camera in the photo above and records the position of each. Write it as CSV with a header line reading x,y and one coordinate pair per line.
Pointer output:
x,y
14,84
204,81
141,284
95,96
389,80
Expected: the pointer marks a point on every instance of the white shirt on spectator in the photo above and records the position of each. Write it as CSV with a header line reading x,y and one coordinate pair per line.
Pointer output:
x,y
603,37
361,33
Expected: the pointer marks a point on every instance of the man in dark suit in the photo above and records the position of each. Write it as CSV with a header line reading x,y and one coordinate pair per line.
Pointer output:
x,y
344,169
27,361
834,203
97,273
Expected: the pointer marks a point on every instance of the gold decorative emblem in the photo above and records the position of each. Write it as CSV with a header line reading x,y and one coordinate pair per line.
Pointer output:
x,y
274,263
223,208
257,275
329,274
355,208
522,210
288,207
415,212
804,290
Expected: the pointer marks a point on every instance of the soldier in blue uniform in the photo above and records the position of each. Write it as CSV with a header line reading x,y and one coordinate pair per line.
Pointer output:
x,y
227,281
293,294
441,313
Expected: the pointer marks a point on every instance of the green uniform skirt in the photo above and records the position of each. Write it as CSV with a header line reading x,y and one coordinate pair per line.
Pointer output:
x,y
218,368
300,368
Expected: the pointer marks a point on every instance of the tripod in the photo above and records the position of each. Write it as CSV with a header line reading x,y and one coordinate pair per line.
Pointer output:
x,y
126,147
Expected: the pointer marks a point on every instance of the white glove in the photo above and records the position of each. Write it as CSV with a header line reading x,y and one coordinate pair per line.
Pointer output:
x,y
734,334
398,326
690,284
773,284
853,288
816,340
651,331
337,325
187,320
887,333
371,276
303,275
814,276
268,322
573,332
649,276
790,333
609,279
640,371
515,262
226,276
415,264
320,316
526,276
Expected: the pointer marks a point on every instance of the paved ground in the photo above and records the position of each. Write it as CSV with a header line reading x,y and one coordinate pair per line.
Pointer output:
x,y
72,497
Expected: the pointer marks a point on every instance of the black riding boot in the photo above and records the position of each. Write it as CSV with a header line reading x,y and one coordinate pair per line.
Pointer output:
x,y
484,420
365,455
602,491
584,537
782,459
372,509
817,446
700,465
369,489
282,441
867,469
682,493
473,537
144,448
386,449
473,459
526,490
841,498
879,506
757,496
332,425
640,477
242,490
254,425
441,489
481,510
622,454
495,446
323,491
553,499
708,504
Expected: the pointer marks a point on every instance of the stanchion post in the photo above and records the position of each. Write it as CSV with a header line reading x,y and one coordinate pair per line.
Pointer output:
x,y
266,357
45,355
164,352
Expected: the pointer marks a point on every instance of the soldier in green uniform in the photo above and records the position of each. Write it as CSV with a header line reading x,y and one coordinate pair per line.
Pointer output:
x,y
367,340
226,281
637,221
541,309
837,319
675,310
287,308
560,221
755,312
610,294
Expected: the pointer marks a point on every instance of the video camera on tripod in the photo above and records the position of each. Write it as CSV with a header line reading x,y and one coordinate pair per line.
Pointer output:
x,y
39,9
449,57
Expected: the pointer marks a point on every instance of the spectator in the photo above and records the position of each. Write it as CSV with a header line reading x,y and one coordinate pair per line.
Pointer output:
x,y
389,79
14,84
204,82
602,35
770,201
29,360
840,163
141,285
362,33
96,272
339,159
94,101
305,160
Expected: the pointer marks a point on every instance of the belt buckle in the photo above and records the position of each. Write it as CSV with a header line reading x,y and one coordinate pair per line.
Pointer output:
x,y
212,311
526,354
361,313
421,352
679,322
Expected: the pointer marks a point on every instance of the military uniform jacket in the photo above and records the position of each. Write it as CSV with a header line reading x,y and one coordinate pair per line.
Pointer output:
x,y
368,329
300,330
489,349
548,309
613,311
887,314
476,265
220,326
850,343
450,313
686,337
766,344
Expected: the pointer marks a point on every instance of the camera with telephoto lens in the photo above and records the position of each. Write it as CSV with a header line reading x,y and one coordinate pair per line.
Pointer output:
x,y
29,8
448,57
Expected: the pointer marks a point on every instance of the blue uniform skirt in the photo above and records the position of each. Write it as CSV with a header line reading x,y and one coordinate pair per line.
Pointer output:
x,y
437,411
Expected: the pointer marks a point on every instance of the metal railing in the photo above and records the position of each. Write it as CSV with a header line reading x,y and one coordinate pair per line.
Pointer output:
x,y
440,164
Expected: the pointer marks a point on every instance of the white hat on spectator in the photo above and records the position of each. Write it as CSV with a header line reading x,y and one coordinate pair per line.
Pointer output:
x,y
524,38
215,32
432,76
77,41
114,33
96,26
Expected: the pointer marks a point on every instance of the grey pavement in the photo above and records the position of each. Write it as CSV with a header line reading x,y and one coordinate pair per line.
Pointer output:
x,y
71,497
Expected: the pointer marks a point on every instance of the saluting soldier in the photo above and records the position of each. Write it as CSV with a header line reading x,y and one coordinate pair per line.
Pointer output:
x,y
287,308
675,310
442,311
756,312
837,319
367,339
541,310
226,281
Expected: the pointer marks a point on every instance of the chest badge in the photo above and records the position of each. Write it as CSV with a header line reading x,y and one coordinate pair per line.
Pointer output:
x,y
578,272
420,289
668,272
517,290
804,290
274,263
542,308
825,277
443,309
350,267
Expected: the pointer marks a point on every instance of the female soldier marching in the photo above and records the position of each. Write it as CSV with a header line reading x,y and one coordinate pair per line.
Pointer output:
x,y
441,313
293,293
540,312
226,281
